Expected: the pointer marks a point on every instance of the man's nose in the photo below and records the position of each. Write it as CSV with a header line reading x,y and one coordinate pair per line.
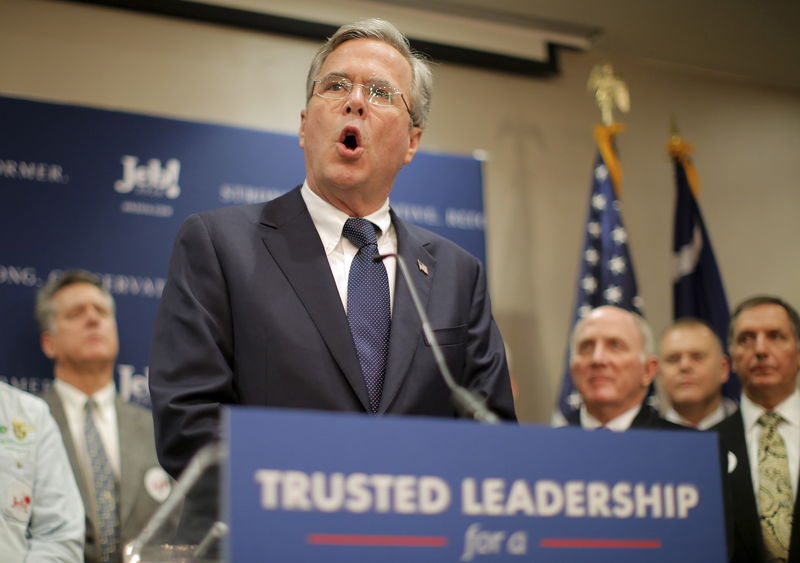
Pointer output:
x,y
356,101
761,344
599,353
684,363
92,316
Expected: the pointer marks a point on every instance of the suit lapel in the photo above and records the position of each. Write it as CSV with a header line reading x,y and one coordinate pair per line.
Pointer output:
x,y
794,540
293,242
129,468
405,337
85,485
57,410
745,511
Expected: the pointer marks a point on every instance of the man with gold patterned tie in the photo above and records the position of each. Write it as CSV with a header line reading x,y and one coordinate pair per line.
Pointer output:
x,y
762,440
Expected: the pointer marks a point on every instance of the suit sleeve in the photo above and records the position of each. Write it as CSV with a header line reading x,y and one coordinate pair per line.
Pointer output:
x,y
191,358
486,369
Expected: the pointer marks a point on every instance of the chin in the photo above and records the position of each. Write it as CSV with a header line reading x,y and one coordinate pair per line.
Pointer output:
x,y
605,399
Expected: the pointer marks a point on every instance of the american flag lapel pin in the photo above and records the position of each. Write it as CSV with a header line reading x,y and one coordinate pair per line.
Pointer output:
x,y
422,267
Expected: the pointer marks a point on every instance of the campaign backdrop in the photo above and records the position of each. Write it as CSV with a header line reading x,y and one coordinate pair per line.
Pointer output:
x,y
339,488
106,191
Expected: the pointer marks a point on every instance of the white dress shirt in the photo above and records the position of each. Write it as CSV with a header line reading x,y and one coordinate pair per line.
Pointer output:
x,y
619,423
789,430
330,221
105,419
725,408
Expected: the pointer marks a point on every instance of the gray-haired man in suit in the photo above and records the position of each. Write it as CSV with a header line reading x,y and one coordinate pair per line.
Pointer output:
x,y
259,308
761,440
79,333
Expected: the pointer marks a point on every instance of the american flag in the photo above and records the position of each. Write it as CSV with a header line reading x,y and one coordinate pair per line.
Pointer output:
x,y
606,272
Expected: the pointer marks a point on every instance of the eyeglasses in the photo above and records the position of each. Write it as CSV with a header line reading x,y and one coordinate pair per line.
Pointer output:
x,y
377,93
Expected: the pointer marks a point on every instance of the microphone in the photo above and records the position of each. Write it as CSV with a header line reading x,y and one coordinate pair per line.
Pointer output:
x,y
218,531
468,403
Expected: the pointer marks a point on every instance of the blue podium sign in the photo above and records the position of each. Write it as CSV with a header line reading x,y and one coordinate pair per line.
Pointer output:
x,y
307,487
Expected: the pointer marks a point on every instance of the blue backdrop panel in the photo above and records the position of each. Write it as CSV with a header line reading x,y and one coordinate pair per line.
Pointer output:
x,y
106,191
344,488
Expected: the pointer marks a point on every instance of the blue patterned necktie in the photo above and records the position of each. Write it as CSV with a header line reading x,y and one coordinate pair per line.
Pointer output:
x,y
105,487
368,307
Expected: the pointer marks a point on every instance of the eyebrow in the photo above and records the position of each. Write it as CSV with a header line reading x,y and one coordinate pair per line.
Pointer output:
x,y
335,74
372,80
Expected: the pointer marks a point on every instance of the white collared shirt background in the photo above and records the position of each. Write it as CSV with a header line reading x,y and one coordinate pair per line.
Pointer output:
x,y
789,430
105,419
619,423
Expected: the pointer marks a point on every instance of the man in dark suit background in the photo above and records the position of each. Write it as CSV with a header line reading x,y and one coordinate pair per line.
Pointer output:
x,y
762,440
79,333
612,363
257,306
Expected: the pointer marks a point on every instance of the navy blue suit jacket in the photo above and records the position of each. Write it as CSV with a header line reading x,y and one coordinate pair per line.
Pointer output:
x,y
745,544
250,315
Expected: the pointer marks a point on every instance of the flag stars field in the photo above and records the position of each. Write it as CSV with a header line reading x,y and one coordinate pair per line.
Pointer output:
x,y
619,236
613,294
599,202
617,265
589,284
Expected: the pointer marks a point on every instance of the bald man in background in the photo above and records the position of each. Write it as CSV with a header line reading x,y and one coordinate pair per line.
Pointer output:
x,y
613,364
693,368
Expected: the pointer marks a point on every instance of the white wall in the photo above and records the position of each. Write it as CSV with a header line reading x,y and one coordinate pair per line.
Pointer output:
x,y
538,134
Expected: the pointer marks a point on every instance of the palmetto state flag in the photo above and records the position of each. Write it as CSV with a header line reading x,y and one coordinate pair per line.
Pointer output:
x,y
697,289
606,272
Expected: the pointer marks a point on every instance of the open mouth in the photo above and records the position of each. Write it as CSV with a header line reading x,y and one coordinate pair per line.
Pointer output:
x,y
350,138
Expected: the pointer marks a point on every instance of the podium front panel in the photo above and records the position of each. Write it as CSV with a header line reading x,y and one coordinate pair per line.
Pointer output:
x,y
307,487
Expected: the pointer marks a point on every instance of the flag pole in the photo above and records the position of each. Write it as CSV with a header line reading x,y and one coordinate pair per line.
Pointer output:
x,y
606,275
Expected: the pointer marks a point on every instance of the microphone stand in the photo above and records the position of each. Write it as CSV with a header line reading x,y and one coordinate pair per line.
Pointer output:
x,y
468,403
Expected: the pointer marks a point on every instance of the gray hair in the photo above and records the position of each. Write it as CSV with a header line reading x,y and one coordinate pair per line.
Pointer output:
x,y
791,312
382,30
45,309
642,327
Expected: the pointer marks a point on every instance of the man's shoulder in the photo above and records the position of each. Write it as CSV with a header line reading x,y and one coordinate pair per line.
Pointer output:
x,y
435,244
251,213
19,400
49,395
133,412
21,412
730,427
231,215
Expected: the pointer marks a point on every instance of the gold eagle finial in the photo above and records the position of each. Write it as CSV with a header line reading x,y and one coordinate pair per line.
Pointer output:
x,y
609,90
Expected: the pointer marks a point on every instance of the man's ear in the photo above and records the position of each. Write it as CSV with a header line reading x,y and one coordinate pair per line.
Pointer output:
x,y
46,340
650,370
302,132
726,369
414,136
